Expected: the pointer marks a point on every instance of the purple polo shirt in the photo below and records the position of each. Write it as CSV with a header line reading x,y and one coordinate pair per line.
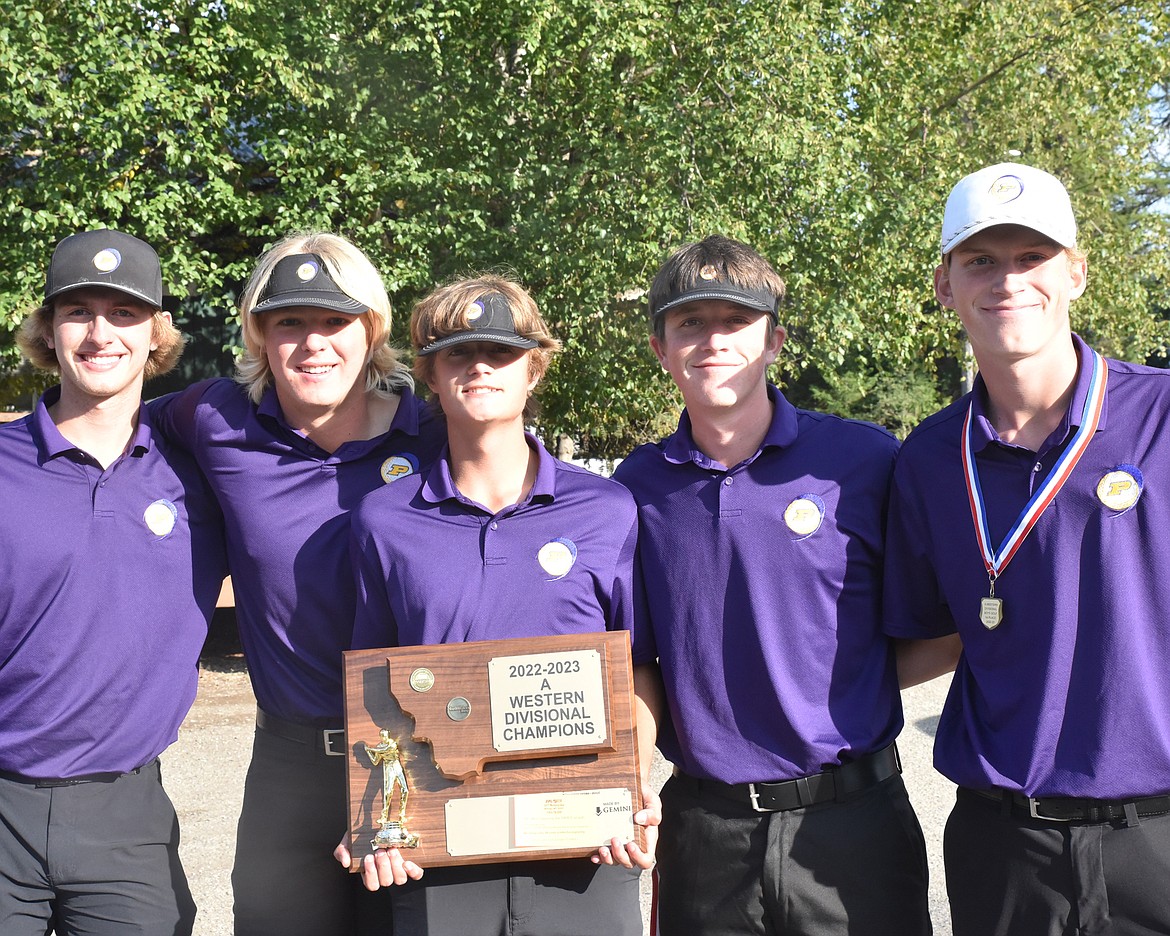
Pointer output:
x,y
107,582
1070,695
434,567
286,503
763,593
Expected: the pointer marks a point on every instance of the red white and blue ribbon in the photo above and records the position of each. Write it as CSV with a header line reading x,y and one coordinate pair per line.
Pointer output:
x,y
995,560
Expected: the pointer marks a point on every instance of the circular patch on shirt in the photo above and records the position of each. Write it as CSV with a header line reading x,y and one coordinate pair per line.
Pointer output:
x,y
474,310
398,466
307,271
1005,189
804,515
160,517
1120,488
557,556
108,260
708,272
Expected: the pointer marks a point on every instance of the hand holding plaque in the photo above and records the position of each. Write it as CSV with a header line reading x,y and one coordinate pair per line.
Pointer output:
x,y
502,750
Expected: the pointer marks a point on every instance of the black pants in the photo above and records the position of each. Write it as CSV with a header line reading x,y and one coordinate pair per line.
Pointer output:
x,y
1014,876
856,867
285,880
94,858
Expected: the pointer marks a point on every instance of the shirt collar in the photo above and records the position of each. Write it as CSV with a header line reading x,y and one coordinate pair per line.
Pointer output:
x,y
680,446
438,486
983,433
52,444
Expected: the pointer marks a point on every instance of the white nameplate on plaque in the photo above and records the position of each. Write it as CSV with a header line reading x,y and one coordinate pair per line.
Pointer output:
x,y
489,825
547,700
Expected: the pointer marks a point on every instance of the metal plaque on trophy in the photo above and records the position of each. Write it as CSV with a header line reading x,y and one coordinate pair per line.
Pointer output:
x,y
499,750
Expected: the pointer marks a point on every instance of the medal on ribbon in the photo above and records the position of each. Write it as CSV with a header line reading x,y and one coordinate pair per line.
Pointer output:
x,y
991,609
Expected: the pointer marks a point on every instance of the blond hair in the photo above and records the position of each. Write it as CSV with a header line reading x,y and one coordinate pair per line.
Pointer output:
x,y
356,276
37,328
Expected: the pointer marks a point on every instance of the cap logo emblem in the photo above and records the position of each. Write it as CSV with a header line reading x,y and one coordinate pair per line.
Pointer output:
x,y
557,557
1120,488
474,311
307,271
1005,189
108,260
804,514
708,272
160,517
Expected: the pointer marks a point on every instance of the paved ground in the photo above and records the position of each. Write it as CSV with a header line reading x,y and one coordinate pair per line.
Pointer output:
x,y
204,773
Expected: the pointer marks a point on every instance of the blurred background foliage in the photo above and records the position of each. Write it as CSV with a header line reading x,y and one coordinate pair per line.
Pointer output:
x,y
573,144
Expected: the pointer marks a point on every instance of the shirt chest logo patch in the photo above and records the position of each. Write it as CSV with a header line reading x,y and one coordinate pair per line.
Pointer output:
x,y
557,557
398,466
1120,488
805,514
160,517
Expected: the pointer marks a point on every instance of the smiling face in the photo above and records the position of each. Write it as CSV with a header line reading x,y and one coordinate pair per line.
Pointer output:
x,y
318,359
102,338
717,352
480,383
1011,288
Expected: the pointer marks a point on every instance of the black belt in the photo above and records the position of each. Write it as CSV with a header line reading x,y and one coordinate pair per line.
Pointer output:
x,y
1073,809
106,777
835,784
328,741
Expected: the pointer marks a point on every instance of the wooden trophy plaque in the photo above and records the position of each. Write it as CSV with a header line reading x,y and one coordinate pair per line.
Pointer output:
x,y
504,749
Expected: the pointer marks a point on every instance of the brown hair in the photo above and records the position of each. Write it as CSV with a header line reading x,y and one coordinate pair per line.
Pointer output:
x,y
736,262
443,312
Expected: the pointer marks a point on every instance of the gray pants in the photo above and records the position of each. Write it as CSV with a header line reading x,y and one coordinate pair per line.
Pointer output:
x,y
98,858
558,897
285,881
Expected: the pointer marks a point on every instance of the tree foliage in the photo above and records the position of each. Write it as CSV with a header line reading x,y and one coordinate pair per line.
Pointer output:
x,y
575,142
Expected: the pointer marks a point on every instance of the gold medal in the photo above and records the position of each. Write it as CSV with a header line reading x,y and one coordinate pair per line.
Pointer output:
x,y
995,560
991,612
991,608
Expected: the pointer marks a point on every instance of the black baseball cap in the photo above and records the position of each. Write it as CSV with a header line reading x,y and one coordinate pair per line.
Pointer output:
x,y
304,280
489,319
105,258
714,285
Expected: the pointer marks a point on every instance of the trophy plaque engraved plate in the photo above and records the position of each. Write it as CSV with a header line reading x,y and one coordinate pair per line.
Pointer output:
x,y
500,750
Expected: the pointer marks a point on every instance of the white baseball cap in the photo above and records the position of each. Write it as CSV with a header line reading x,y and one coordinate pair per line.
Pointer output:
x,y
1008,193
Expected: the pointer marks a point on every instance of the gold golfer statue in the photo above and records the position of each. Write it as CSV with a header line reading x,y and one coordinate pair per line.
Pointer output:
x,y
392,833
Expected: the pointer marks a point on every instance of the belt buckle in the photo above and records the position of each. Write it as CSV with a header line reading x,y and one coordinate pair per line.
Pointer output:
x,y
1033,805
327,735
755,798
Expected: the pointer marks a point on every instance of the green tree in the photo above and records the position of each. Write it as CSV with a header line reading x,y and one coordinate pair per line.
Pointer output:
x,y
575,142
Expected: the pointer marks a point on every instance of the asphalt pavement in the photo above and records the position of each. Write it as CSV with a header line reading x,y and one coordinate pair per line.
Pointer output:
x,y
204,774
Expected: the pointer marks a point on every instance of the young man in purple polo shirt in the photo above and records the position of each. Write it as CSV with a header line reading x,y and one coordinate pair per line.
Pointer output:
x,y
1021,528
111,558
761,556
497,540
322,412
